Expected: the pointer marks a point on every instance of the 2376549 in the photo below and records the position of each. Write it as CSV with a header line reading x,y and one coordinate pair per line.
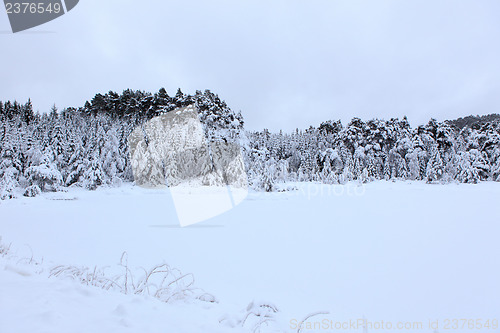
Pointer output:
x,y
32,8
472,324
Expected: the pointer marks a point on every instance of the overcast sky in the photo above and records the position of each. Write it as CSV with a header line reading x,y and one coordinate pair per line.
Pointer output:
x,y
283,63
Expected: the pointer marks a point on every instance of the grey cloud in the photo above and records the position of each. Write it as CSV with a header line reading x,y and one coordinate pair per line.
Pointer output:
x,y
284,64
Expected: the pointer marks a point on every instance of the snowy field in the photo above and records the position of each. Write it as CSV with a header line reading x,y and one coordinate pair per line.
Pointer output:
x,y
402,253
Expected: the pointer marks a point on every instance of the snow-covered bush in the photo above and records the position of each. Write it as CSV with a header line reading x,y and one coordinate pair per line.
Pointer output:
x,y
265,178
74,176
45,176
32,191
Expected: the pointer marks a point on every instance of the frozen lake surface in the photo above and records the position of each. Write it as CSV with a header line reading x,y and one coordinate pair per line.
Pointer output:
x,y
397,252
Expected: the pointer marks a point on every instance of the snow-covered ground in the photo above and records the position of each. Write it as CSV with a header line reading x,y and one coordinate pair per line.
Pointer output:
x,y
398,252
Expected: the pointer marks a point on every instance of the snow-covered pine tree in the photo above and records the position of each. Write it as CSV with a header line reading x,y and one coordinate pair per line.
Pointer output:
x,y
413,164
10,166
93,175
8,183
435,166
359,160
465,173
110,157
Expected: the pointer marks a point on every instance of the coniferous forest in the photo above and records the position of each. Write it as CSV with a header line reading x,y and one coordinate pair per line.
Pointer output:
x,y
87,146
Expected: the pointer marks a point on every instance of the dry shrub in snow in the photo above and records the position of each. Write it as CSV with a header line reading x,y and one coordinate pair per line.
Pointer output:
x,y
163,282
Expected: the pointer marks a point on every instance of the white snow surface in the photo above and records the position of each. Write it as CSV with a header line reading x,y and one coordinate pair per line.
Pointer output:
x,y
391,251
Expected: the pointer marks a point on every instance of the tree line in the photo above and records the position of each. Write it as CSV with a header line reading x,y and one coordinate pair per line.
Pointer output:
x,y
87,146
377,149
